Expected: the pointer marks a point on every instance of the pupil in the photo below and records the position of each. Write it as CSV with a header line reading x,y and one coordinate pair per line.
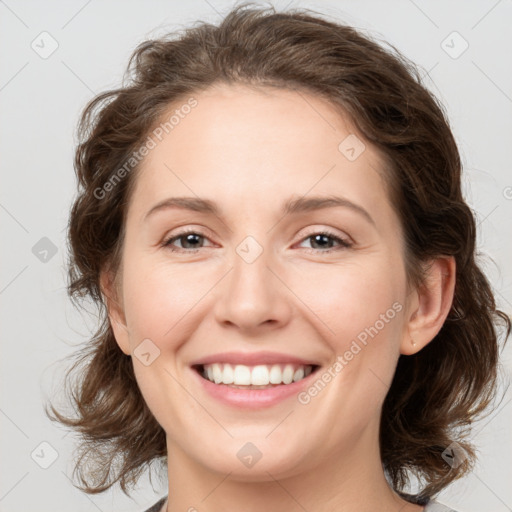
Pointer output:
x,y
189,238
322,239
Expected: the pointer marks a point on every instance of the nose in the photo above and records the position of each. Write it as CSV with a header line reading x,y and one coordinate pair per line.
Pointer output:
x,y
253,296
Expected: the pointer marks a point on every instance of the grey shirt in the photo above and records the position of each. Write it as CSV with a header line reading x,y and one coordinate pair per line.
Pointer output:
x,y
432,506
157,506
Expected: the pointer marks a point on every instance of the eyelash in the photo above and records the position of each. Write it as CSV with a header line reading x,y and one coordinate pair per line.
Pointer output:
x,y
343,243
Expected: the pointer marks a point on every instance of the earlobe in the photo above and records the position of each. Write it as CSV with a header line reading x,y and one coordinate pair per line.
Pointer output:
x,y
115,310
430,305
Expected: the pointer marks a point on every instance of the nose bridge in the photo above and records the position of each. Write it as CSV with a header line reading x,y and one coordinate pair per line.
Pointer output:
x,y
252,295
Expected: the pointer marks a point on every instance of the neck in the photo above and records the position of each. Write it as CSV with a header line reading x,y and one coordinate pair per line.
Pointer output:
x,y
351,479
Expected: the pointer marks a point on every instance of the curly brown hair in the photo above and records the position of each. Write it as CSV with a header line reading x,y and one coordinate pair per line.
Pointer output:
x,y
437,393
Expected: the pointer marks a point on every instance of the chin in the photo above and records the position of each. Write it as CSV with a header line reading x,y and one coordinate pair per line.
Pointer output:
x,y
246,462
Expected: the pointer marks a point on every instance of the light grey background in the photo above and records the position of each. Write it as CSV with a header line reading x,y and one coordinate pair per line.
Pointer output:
x,y
40,100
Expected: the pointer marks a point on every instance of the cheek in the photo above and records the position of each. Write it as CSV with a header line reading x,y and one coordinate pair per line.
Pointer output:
x,y
354,301
359,310
161,304
158,297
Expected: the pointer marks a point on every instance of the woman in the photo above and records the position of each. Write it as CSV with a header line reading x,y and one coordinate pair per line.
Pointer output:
x,y
270,212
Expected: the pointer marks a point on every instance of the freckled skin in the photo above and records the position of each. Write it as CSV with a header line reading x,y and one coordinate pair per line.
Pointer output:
x,y
250,151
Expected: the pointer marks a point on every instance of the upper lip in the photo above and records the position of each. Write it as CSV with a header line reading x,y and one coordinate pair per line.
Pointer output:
x,y
252,359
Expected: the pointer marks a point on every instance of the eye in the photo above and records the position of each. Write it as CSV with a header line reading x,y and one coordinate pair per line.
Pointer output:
x,y
190,241
324,241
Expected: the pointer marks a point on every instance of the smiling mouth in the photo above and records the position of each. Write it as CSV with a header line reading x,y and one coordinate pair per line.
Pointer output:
x,y
254,377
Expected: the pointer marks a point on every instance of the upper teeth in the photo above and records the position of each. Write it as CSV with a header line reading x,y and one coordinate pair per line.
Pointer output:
x,y
260,375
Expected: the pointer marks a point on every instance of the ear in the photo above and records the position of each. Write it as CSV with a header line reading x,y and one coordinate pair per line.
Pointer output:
x,y
429,305
113,302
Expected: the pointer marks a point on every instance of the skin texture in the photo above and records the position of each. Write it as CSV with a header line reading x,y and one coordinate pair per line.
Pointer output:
x,y
250,150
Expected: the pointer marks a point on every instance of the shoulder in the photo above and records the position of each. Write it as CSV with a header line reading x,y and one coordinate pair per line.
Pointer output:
x,y
157,506
434,506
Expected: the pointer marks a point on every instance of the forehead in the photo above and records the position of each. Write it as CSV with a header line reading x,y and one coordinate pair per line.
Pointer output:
x,y
259,143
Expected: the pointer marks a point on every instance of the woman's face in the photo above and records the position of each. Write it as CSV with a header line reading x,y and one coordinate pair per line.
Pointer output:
x,y
257,285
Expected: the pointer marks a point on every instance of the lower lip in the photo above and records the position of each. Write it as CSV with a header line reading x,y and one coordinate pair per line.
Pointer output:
x,y
253,398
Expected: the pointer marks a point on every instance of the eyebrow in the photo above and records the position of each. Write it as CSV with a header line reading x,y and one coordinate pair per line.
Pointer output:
x,y
300,205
